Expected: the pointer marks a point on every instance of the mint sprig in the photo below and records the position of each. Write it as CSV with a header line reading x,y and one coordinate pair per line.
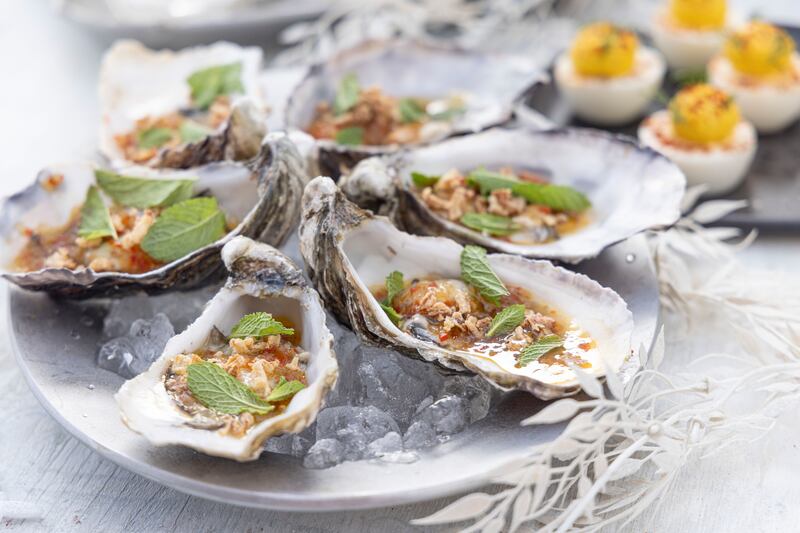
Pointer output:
x,y
534,351
350,136
183,228
153,137
347,94
285,390
95,218
219,80
424,180
410,110
506,320
491,224
191,131
393,315
212,386
143,192
395,284
557,197
259,324
475,271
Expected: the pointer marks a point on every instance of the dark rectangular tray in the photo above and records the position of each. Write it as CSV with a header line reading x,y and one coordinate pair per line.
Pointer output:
x,y
772,187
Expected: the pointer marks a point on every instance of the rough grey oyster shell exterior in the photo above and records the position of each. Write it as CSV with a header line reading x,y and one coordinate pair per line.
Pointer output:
x,y
412,68
281,175
328,217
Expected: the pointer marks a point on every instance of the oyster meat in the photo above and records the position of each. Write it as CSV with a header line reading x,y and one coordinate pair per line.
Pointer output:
x,y
606,189
413,94
167,407
161,107
349,253
259,198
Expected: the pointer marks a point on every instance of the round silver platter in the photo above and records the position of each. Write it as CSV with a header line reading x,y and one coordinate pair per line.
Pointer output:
x,y
55,347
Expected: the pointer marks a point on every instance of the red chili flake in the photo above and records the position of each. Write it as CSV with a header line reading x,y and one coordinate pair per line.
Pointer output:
x,y
585,345
444,336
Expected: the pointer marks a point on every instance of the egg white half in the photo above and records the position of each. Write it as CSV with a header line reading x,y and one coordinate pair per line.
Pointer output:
x,y
610,101
722,166
770,104
687,48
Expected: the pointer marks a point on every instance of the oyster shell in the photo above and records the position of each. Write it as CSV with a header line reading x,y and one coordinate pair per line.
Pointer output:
x,y
406,68
632,188
136,81
347,250
260,279
263,194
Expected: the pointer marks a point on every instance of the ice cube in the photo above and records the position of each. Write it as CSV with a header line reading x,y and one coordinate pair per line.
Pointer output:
x,y
132,354
477,391
124,311
395,384
324,454
420,435
447,416
354,427
183,308
392,442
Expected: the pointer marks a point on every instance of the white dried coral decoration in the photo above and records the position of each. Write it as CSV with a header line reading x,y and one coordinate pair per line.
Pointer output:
x,y
624,446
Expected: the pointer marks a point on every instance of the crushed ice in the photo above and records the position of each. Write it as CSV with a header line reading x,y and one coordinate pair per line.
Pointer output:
x,y
385,406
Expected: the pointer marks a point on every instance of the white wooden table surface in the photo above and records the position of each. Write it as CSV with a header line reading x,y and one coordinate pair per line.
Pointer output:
x,y
48,70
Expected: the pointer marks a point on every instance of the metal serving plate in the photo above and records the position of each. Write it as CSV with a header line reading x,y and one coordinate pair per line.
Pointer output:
x,y
772,188
55,344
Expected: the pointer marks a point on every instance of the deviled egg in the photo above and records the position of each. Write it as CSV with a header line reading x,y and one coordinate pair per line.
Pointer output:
x,y
607,77
703,133
690,32
760,67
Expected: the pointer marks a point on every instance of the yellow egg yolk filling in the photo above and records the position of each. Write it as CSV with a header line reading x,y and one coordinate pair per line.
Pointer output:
x,y
604,50
703,114
760,49
699,14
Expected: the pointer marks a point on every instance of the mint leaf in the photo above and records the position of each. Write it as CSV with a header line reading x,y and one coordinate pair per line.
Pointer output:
x,y
347,94
143,192
285,390
410,110
183,228
208,83
393,315
448,114
153,137
218,390
394,285
259,324
95,218
191,131
506,320
475,271
353,136
424,180
491,224
557,197
534,351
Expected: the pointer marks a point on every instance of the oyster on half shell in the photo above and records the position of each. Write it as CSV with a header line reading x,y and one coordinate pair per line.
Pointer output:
x,y
631,188
260,279
489,85
347,250
137,83
262,195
